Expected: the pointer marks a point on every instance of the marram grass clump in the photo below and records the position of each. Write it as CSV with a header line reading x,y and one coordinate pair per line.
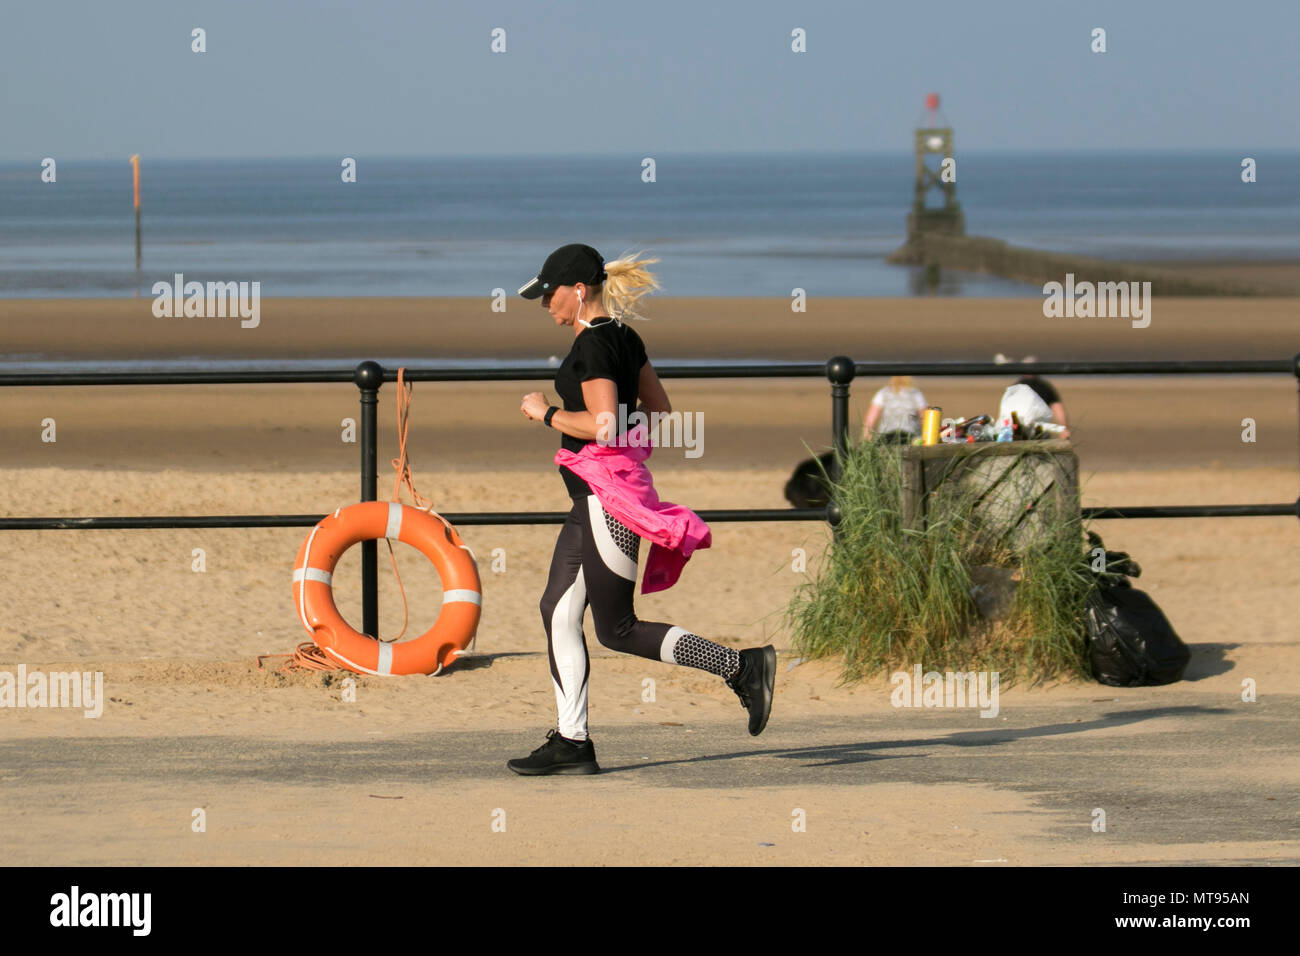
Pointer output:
x,y
887,597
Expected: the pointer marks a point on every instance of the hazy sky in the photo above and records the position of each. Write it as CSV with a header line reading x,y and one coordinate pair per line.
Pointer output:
x,y
106,78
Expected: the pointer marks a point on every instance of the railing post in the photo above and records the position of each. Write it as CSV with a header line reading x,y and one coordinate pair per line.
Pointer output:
x,y
369,376
1295,368
840,370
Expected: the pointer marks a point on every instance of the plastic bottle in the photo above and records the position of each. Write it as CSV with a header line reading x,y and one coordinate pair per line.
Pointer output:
x,y
1005,430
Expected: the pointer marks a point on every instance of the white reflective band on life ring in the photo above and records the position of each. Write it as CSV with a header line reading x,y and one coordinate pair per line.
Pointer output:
x,y
462,594
351,664
385,664
314,574
394,529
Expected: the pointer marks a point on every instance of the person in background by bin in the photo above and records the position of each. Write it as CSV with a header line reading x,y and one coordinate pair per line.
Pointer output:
x,y
1044,389
895,412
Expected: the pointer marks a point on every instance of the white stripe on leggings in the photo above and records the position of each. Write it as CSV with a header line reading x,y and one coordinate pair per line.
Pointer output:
x,y
570,660
670,641
610,552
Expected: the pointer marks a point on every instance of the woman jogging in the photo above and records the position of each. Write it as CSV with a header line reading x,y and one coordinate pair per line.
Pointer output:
x,y
595,560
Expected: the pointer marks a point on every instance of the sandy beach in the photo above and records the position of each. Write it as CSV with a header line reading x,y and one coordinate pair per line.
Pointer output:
x,y
867,329
177,648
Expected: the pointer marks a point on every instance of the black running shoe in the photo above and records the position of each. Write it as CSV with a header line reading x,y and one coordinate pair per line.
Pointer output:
x,y
557,755
753,684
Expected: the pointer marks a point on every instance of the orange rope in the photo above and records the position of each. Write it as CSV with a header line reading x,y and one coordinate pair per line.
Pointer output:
x,y
402,466
307,656
404,476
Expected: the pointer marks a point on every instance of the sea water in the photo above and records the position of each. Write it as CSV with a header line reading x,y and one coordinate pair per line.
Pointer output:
x,y
722,225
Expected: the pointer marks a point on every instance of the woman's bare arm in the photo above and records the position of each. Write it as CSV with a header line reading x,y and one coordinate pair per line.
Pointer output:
x,y
600,396
600,420
1058,413
651,390
869,420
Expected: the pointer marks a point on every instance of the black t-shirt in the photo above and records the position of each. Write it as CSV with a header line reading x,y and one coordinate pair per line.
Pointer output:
x,y
607,349
1044,389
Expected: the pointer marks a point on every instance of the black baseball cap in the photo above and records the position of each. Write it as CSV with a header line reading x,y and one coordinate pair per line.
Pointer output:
x,y
565,266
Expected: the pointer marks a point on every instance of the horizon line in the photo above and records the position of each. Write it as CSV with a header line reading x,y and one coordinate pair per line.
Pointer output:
x,y
623,154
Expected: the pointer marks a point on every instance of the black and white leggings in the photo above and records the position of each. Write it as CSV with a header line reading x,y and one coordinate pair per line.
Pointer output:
x,y
595,564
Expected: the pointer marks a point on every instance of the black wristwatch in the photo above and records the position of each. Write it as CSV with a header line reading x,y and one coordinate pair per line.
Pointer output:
x,y
550,413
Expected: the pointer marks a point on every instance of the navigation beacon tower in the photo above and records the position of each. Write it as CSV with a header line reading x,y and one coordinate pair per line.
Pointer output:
x,y
934,138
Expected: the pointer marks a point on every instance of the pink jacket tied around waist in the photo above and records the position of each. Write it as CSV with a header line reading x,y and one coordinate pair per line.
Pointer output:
x,y
621,482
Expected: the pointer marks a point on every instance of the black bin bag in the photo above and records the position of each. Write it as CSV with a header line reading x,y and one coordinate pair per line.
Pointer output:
x,y
1130,641
806,487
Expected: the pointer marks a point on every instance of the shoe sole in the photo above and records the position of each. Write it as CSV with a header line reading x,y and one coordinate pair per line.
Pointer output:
x,y
769,684
580,769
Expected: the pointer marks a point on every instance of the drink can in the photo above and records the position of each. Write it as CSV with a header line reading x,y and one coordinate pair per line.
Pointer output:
x,y
930,425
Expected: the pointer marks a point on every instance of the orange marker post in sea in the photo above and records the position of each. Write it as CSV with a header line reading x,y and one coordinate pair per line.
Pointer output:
x,y
135,176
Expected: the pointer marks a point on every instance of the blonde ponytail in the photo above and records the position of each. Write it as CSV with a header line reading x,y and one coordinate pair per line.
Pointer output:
x,y
627,282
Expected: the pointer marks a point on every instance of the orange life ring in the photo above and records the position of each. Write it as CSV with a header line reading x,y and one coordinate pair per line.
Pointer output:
x,y
462,597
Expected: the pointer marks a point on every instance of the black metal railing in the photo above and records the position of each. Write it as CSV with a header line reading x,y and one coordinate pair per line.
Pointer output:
x,y
370,376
